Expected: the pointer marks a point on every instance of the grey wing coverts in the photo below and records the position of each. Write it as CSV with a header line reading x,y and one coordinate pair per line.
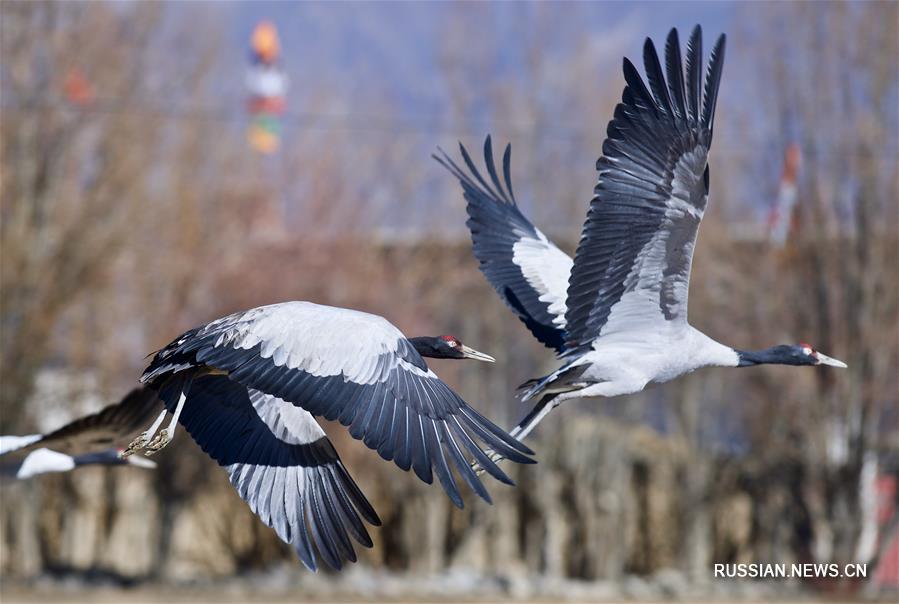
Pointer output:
x,y
650,198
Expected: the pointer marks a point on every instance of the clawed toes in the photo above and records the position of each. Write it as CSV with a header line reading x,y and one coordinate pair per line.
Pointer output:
x,y
136,445
161,440
492,456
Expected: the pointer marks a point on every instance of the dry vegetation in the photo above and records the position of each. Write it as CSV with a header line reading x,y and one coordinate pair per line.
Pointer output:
x,y
123,225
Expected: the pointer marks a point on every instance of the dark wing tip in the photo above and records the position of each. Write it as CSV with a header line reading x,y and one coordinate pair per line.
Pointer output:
x,y
675,72
357,497
524,449
656,77
488,160
498,439
713,81
491,171
672,41
476,173
694,73
632,77
696,34
456,499
650,55
307,558
635,85
718,49
648,46
507,170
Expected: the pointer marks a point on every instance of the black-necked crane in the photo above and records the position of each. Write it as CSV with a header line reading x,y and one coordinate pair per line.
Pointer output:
x,y
617,313
96,439
246,388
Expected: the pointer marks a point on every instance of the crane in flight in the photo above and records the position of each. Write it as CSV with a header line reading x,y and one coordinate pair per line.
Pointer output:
x,y
617,314
246,387
95,439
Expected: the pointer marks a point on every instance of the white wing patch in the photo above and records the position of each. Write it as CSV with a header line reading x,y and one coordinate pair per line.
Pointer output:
x,y
546,268
43,461
290,424
12,443
685,181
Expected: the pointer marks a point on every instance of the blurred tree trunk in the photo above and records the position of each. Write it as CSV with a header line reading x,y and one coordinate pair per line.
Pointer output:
x,y
842,290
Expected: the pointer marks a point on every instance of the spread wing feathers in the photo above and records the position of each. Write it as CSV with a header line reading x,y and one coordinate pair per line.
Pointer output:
x,y
282,464
11,443
632,267
357,369
527,270
111,426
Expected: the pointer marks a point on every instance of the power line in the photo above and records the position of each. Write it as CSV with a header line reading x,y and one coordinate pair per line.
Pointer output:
x,y
357,122
383,124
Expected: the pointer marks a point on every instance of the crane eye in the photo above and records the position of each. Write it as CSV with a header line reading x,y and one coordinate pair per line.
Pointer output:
x,y
450,341
807,350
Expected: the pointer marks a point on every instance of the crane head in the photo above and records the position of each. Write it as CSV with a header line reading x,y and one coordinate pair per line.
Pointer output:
x,y
447,347
810,356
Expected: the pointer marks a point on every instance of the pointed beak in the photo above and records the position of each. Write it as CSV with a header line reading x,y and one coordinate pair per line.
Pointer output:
x,y
471,353
823,359
140,461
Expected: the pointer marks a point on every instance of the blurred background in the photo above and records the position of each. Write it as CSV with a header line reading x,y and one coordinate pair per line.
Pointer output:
x,y
164,164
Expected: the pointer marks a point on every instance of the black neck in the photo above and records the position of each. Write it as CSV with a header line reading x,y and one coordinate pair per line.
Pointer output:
x,y
428,346
107,456
749,358
776,355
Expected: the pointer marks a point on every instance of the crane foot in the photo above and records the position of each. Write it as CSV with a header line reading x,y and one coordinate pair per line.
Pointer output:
x,y
137,444
492,455
158,443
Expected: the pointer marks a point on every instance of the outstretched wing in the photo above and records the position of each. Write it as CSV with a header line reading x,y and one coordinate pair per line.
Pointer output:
x,y
525,268
355,368
110,427
282,464
632,268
